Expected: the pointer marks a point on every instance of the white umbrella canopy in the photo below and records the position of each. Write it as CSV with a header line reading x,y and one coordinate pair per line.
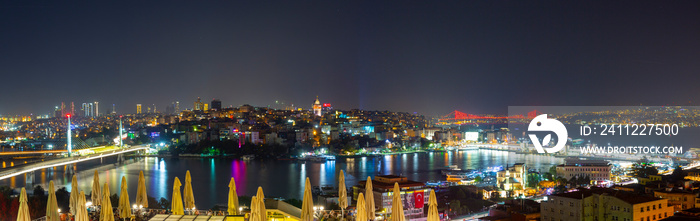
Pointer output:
x,y
369,198
52,205
82,214
96,195
23,213
232,198
124,204
342,195
141,196
433,214
307,206
74,196
397,205
188,194
106,213
361,213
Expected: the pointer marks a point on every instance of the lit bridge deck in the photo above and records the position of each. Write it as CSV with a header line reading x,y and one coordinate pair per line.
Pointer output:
x,y
31,167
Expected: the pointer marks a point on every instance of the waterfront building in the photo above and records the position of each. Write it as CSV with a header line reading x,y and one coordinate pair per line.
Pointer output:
x,y
413,194
512,179
597,170
604,204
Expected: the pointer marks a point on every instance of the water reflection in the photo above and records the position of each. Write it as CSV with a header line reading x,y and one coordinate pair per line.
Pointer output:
x,y
278,178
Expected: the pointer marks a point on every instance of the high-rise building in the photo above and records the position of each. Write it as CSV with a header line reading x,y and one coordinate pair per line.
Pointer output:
x,y
97,109
317,107
138,108
114,109
206,107
72,108
198,105
63,109
177,107
155,110
216,104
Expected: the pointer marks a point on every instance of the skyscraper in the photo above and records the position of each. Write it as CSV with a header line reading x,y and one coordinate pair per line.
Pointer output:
x,y
138,108
97,109
198,105
216,104
114,109
177,107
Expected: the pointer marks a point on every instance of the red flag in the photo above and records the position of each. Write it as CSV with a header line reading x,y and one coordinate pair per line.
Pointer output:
x,y
418,196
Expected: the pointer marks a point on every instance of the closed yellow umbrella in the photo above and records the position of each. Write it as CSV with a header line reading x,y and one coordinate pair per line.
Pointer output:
x,y
432,207
176,206
141,196
106,213
73,203
188,194
23,213
369,198
307,206
342,194
361,207
261,204
254,211
81,211
232,198
124,204
96,195
397,205
52,205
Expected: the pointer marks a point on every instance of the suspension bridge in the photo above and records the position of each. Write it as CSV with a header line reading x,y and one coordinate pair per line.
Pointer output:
x,y
458,118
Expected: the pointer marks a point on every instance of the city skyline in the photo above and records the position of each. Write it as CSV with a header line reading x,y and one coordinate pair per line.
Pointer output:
x,y
366,55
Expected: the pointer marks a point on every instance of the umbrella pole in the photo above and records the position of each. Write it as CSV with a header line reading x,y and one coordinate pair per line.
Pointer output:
x,y
342,214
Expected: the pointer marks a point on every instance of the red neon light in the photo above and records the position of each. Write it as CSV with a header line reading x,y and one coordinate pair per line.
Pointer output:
x,y
326,104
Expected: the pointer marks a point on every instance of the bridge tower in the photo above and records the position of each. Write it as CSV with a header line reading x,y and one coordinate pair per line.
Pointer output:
x,y
69,136
121,142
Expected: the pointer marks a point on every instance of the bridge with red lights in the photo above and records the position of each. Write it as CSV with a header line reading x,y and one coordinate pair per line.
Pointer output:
x,y
457,118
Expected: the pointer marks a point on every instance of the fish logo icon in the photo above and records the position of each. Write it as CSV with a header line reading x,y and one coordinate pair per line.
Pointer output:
x,y
543,124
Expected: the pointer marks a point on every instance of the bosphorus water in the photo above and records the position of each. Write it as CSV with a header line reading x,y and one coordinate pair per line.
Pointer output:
x,y
211,176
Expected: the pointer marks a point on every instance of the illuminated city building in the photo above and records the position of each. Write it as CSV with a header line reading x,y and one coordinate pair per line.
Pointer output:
x,y
97,109
317,107
198,105
206,107
512,179
604,204
138,108
597,170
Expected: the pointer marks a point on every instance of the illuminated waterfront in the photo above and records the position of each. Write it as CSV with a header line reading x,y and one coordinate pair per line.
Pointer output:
x,y
278,178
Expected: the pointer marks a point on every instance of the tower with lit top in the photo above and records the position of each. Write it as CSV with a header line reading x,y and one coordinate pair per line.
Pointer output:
x,y
317,107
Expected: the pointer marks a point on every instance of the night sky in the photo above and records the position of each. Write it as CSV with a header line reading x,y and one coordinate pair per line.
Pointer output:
x,y
429,57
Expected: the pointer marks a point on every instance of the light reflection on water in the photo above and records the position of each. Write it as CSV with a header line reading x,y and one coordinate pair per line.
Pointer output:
x,y
278,178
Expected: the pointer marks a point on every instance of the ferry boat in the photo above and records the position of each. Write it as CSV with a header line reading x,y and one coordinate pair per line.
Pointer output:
x,y
248,157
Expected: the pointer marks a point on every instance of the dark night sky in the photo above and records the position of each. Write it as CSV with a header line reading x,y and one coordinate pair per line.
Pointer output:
x,y
428,57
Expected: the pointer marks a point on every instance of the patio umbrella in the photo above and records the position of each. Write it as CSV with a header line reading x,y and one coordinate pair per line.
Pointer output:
x,y
369,198
397,205
176,206
254,213
141,196
361,207
124,204
73,203
307,206
82,214
261,204
106,213
342,195
188,194
52,205
23,213
96,195
232,198
432,207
